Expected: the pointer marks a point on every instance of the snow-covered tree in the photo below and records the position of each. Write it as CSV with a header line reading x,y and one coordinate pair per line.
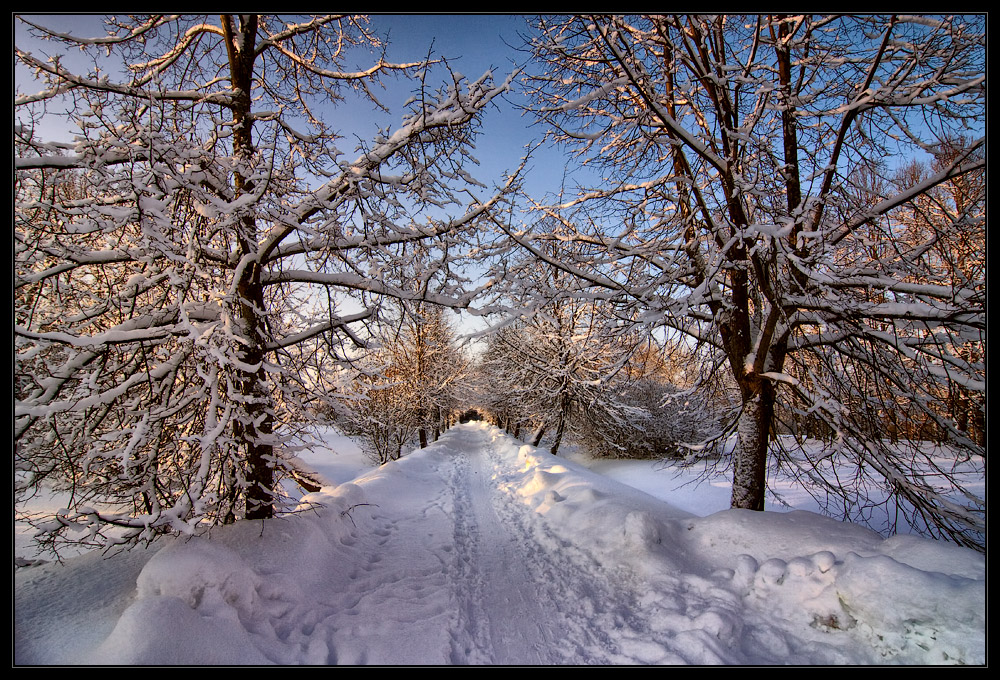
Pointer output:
x,y
498,378
181,261
382,416
438,366
407,389
730,150
565,354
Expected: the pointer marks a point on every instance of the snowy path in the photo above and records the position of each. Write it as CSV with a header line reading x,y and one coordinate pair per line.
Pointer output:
x,y
478,550
504,590
499,611
524,603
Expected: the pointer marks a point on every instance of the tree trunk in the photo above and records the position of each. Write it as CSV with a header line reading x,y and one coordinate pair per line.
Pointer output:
x,y
750,456
255,432
759,396
560,429
539,433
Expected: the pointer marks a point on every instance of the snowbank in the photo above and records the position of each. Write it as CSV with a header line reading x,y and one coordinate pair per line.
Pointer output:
x,y
908,599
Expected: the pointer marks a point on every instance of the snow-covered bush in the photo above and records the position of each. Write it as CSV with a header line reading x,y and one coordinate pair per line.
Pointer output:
x,y
648,419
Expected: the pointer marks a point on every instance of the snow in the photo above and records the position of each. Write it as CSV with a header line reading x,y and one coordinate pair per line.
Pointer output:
x,y
482,550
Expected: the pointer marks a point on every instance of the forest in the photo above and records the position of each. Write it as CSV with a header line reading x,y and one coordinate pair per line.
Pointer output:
x,y
780,239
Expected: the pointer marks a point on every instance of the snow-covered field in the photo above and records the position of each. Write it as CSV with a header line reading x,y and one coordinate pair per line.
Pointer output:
x,y
480,550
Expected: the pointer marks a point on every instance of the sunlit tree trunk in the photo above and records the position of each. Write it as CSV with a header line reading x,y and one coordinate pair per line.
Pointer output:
x,y
256,427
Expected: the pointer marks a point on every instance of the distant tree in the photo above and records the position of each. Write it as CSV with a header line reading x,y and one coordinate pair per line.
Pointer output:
x,y
732,209
381,414
565,352
948,226
407,387
500,380
180,263
438,366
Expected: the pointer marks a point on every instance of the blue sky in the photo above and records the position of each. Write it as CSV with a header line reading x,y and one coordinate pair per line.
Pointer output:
x,y
473,44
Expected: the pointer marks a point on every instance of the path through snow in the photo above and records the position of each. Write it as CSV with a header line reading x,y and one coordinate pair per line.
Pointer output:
x,y
527,596
478,550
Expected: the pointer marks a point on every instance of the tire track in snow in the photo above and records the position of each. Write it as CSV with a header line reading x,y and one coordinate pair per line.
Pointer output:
x,y
466,570
592,610
671,616
472,638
